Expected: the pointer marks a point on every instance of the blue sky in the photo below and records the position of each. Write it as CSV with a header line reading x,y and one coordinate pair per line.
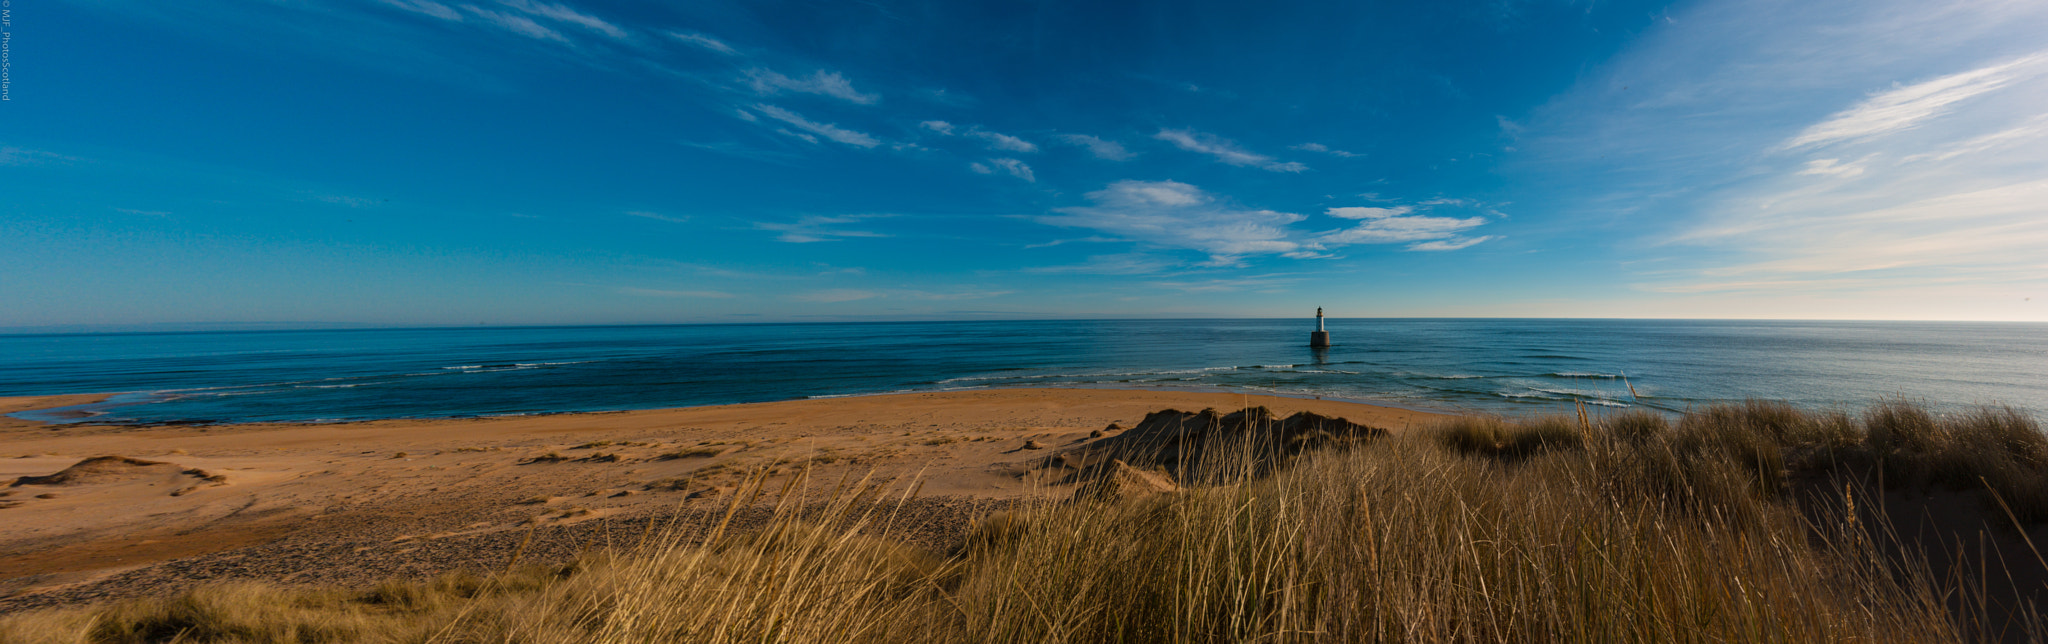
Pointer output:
x,y
535,162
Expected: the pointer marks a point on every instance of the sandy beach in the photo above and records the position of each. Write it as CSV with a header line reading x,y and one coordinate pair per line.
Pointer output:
x,y
357,501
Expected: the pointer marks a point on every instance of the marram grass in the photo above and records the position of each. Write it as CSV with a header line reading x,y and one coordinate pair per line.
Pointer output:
x,y
1736,523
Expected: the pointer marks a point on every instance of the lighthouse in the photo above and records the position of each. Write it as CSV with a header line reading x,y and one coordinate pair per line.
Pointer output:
x,y
1320,338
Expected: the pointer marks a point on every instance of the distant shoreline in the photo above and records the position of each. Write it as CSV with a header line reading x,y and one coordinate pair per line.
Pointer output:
x,y
57,406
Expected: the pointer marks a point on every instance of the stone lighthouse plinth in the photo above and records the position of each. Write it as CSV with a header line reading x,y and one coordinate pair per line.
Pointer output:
x,y
1320,338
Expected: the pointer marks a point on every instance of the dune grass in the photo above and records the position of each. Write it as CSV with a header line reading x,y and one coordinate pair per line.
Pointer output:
x,y
1735,523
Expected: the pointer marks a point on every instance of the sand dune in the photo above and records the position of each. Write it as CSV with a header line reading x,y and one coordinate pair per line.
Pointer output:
x,y
123,501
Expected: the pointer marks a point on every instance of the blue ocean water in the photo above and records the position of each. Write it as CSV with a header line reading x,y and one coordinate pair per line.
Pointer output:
x,y
1490,365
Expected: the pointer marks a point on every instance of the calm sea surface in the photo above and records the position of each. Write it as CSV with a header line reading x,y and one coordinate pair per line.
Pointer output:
x,y
1509,366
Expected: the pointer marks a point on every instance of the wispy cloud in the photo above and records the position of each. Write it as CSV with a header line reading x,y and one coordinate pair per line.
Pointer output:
x,y
767,82
1013,167
515,23
345,200
656,216
946,296
1787,147
1116,264
1318,147
1225,150
837,295
1178,215
827,130
819,228
1000,141
10,155
2032,129
704,41
565,14
1083,240
1102,149
655,292
1368,212
854,295
1833,168
1447,244
426,7
1230,284
1396,225
1908,107
994,140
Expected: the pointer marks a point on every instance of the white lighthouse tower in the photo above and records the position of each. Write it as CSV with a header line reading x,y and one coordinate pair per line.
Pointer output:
x,y
1320,338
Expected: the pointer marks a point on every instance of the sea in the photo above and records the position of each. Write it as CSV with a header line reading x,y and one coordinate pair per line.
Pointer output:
x,y
1502,366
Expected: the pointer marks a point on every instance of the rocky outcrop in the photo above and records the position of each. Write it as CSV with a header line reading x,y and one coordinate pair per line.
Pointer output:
x,y
1186,441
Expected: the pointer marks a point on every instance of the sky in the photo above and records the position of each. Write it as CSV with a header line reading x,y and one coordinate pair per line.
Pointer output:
x,y
461,162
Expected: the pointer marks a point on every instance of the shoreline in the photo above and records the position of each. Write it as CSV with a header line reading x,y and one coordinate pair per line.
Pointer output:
x,y
12,408
11,405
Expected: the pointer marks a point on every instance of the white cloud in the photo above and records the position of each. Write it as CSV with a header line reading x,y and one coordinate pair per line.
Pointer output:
x,y
1178,215
798,135
1397,225
818,228
655,292
1448,244
1908,107
1014,167
767,82
1400,229
1225,150
1102,149
747,116
1362,212
1171,214
565,14
426,7
1318,147
980,168
999,141
515,23
826,130
941,127
1832,168
704,41
2034,128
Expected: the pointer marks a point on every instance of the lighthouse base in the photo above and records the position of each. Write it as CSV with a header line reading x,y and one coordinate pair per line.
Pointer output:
x,y
1319,338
